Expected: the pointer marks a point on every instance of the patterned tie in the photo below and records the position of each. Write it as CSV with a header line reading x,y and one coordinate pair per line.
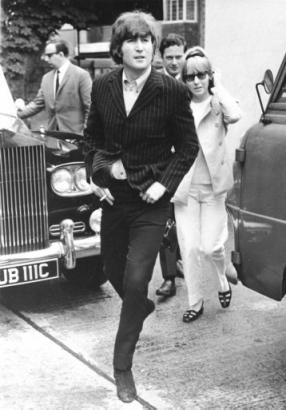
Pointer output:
x,y
130,85
57,81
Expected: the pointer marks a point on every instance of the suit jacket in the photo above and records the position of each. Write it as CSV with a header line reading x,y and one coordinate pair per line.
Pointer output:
x,y
68,111
159,120
212,130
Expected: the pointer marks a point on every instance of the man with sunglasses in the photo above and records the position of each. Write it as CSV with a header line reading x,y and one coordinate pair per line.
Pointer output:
x,y
64,92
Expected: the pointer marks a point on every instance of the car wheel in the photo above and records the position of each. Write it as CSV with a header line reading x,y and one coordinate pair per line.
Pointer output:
x,y
88,272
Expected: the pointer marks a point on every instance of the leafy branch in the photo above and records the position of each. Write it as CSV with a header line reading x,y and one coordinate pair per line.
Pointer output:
x,y
26,25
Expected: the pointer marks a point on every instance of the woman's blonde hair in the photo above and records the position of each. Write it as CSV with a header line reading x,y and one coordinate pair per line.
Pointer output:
x,y
196,60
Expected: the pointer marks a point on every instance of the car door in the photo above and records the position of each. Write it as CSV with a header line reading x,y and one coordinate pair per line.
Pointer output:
x,y
258,203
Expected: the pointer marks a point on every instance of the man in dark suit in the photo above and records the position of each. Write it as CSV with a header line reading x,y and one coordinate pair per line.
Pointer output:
x,y
64,92
137,115
172,49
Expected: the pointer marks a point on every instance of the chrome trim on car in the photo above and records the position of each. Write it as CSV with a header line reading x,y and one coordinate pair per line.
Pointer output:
x,y
84,247
23,199
72,168
79,227
67,239
256,215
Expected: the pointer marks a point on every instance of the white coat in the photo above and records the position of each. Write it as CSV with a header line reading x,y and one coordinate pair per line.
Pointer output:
x,y
211,130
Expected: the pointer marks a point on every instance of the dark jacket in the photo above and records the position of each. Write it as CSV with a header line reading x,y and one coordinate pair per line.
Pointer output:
x,y
159,120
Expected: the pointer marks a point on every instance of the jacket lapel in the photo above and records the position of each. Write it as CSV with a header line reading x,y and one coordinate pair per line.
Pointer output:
x,y
65,78
151,88
115,86
49,86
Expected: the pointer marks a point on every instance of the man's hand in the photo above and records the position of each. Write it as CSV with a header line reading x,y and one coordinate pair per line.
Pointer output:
x,y
117,170
102,193
153,193
20,104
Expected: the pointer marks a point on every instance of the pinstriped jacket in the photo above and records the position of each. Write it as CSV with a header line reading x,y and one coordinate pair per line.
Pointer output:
x,y
159,120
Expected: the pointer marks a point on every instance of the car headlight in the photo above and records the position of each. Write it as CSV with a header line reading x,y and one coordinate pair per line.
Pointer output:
x,y
80,179
62,181
70,180
95,220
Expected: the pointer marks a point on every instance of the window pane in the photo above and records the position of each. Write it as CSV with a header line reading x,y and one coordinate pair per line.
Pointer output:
x,y
167,17
191,10
174,10
180,10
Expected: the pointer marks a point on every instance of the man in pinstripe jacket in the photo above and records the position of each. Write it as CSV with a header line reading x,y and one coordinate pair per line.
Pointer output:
x,y
137,115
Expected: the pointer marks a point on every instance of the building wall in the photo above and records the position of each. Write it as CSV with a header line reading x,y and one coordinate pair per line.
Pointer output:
x,y
244,38
189,31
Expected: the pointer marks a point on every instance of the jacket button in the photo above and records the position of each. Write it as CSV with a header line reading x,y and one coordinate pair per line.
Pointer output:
x,y
220,143
222,162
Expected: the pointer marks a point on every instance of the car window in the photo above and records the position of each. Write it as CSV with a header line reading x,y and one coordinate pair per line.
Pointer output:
x,y
276,108
281,96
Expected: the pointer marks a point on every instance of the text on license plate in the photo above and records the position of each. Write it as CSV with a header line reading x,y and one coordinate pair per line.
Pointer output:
x,y
25,273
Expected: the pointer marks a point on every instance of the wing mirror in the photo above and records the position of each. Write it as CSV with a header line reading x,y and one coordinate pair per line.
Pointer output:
x,y
267,83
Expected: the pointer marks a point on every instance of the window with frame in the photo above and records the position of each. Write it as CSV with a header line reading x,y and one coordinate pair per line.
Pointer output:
x,y
281,95
181,10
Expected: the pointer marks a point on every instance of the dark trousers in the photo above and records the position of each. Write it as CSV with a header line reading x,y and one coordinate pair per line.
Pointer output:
x,y
131,234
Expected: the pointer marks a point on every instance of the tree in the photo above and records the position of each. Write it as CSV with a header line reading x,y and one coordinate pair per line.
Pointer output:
x,y
26,25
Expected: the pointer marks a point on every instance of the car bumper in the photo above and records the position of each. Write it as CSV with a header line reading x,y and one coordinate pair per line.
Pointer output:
x,y
68,249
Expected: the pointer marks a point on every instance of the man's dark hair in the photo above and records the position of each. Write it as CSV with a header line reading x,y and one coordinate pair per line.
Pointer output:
x,y
61,46
172,39
132,25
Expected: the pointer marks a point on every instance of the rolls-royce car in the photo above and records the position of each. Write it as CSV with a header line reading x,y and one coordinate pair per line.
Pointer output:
x,y
49,217
257,203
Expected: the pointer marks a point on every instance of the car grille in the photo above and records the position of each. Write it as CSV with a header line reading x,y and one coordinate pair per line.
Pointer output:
x,y
23,199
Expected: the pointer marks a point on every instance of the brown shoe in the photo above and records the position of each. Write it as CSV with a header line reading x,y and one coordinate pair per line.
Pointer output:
x,y
126,390
168,288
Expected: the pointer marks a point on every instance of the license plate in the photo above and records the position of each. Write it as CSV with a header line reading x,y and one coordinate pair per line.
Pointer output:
x,y
29,272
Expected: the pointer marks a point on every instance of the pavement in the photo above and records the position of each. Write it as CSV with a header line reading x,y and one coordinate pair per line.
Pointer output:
x,y
57,353
37,373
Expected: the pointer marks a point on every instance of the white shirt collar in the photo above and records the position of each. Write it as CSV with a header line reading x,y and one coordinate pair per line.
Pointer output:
x,y
140,81
178,76
62,70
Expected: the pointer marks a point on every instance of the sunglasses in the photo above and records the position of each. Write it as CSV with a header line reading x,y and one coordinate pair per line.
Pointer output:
x,y
191,77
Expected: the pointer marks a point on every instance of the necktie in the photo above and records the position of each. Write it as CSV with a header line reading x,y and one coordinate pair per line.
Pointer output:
x,y
57,81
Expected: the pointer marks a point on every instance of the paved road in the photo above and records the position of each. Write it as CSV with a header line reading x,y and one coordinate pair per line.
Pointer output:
x,y
57,351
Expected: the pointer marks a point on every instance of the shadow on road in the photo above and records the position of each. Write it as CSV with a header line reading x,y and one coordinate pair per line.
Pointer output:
x,y
50,296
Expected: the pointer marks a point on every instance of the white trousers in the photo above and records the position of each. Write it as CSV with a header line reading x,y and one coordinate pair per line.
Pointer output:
x,y
202,234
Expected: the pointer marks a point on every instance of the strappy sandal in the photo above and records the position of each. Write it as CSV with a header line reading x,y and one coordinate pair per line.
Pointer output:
x,y
225,297
190,314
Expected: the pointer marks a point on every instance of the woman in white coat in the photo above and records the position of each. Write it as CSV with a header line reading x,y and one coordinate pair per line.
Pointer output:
x,y
199,201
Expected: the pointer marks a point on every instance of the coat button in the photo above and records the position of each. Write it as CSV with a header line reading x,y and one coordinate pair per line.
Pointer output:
x,y
222,162
220,143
